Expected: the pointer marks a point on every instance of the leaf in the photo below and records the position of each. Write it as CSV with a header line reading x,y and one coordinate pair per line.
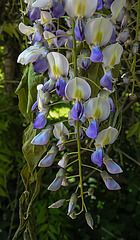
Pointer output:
x,y
27,92
115,70
134,129
95,73
2,192
32,153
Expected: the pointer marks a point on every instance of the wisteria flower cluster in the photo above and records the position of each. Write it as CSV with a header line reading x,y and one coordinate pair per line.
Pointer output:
x,y
66,39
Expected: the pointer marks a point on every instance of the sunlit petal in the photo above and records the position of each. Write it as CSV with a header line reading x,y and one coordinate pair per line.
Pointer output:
x,y
43,137
97,157
77,88
92,130
97,108
60,130
106,136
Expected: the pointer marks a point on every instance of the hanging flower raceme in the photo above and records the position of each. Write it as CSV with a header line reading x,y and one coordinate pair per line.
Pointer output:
x,y
96,110
77,89
61,132
98,32
105,137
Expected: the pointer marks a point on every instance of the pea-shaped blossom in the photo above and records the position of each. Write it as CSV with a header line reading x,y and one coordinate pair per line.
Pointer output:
x,y
111,166
43,137
112,55
77,89
98,32
116,7
80,8
45,4
61,132
110,183
49,158
58,65
56,184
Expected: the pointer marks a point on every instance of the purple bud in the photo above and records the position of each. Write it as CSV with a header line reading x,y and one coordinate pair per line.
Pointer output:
x,y
60,87
72,203
99,4
121,15
110,183
85,63
113,36
34,106
106,81
49,158
60,40
56,184
96,55
135,47
111,166
79,30
63,162
40,121
80,133
92,130
57,9
112,106
58,204
64,182
40,65
34,13
43,137
97,157
123,36
77,111
89,219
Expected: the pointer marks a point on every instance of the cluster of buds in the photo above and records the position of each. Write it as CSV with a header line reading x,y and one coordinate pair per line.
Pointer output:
x,y
85,23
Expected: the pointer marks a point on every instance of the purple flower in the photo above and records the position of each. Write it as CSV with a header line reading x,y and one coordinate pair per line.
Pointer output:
x,y
72,203
92,130
106,81
99,4
97,157
113,36
49,158
85,63
112,106
60,87
77,111
43,137
79,30
40,121
40,65
110,183
34,13
57,9
96,55
61,40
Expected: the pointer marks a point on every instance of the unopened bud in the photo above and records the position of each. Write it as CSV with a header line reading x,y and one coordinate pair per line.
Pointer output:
x,y
123,36
135,47
64,182
61,173
90,191
73,215
58,204
63,162
89,219
72,203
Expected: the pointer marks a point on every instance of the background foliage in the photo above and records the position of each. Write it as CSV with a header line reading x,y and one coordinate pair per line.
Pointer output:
x,y
116,214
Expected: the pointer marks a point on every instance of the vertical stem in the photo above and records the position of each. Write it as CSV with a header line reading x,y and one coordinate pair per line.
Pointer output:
x,y
136,39
77,122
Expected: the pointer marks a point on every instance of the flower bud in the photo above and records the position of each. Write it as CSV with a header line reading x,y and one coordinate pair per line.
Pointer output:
x,y
89,219
72,203
58,204
73,215
135,47
63,162
90,191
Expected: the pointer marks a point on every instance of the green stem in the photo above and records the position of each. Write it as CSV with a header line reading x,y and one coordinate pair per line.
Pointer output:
x,y
77,122
86,149
72,162
84,165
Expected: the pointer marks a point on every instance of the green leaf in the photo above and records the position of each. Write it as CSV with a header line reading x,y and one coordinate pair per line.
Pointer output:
x,y
134,129
32,153
115,70
27,92
95,73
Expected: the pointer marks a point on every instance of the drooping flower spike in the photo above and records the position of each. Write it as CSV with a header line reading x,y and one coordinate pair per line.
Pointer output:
x,y
77,89
112,55
58,65
98,32
80,8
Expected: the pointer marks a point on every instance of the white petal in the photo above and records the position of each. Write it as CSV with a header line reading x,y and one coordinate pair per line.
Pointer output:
x,y
106,136
77,88
98,31
81,8
45,16
58,65
45,4
47,35
27,30
112,55
59,130
97,108
116,7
